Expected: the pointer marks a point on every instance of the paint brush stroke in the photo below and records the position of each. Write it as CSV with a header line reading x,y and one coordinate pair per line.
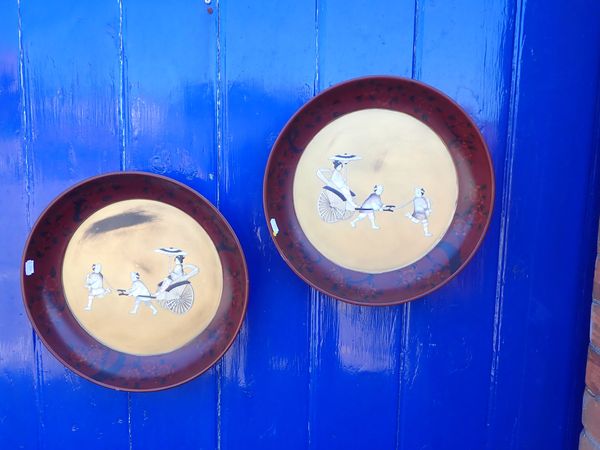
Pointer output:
x,y
119,221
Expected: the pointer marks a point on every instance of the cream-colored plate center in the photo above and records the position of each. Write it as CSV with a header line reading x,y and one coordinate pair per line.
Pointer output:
x,y
113,266
404,184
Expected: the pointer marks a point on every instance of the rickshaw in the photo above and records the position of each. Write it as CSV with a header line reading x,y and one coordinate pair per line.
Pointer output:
x,y
333,203
178,295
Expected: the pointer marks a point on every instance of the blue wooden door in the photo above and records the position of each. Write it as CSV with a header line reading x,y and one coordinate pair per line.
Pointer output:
x,y
198,90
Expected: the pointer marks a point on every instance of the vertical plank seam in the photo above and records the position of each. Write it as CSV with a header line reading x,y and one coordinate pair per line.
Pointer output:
x,y
517,50
39,394
313,354
218,430
405,330
129,422
403,365
416,37
124,135
26,123
26,136
219,169
313,297
219,100
123,100
316,80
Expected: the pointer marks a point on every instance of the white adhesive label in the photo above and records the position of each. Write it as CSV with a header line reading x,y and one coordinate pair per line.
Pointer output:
x,y
274,227
29,269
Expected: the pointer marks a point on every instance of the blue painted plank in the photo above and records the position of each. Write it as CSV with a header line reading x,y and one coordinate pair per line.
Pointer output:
x,y
267,55
169,51
170,69
493,360
71,83
356,39
552,204
72,79
184,417
355,364
18,425
463,48
356,351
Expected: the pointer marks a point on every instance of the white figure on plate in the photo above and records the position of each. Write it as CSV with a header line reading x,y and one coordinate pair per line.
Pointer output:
x,y
140,292
175,275
337,178
175,291
94,283
421,210
372,203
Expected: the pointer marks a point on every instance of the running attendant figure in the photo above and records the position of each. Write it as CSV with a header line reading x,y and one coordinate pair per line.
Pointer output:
x,y
174,292
372,204
94,283
140,292
336,201
421,210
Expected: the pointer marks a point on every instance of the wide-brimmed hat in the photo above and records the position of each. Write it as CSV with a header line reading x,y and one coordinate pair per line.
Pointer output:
x,y
171,251
344,157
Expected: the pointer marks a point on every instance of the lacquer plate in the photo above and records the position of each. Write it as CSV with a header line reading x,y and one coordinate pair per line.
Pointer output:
x,y
379,190
134,281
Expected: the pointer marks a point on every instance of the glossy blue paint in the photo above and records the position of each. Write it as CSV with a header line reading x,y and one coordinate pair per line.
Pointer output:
x,y
18,381
543,295
168,127
199,92
348,359
450,334
70,76
267,70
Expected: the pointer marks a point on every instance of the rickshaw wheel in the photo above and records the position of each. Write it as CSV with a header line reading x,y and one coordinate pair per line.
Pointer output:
x,y
331,208
179,300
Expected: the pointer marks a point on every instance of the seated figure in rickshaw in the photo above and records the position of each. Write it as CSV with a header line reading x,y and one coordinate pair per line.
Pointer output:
x,y
337,178
176,274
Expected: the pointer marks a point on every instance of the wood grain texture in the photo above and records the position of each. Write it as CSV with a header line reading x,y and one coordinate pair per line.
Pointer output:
x,y
168,66
199,92
18,382
364,344
544,319
451,335
70,79
266,71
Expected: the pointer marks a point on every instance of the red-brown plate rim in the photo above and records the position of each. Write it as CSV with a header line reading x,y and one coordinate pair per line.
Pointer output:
x,y
162,178
397,79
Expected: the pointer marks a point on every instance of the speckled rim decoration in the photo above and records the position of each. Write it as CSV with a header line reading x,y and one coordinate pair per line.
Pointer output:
x,y
467,229
54,322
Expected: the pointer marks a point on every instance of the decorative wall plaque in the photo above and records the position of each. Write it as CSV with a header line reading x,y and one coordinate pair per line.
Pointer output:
x,y
379,190
134,281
